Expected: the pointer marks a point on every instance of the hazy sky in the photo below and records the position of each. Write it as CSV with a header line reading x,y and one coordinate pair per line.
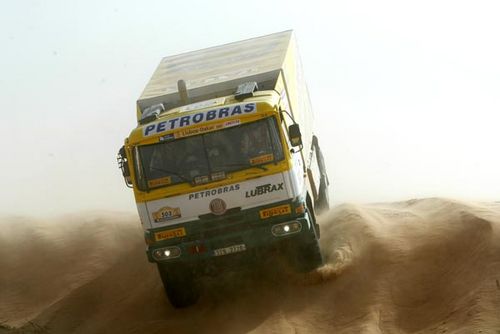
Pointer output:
x,y
406,93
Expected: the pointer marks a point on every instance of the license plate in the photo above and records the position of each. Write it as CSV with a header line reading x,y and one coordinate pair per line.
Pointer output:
x,y
230,250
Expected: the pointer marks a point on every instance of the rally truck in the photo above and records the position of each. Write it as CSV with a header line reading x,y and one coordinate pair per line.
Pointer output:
x,y
224,164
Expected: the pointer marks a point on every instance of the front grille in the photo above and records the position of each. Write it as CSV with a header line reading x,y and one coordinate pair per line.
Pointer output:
x,y
227,242
220,229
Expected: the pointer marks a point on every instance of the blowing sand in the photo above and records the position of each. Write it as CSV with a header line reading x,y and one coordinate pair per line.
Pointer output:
x,y
421,266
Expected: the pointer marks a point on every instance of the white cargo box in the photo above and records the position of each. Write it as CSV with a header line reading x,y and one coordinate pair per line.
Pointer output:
x,y
217,71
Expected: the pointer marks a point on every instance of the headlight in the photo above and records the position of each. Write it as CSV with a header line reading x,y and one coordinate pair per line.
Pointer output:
x,y
167,253
279,230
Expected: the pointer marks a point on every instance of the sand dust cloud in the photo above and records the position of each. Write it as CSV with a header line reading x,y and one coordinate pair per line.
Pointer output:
x,y
420,266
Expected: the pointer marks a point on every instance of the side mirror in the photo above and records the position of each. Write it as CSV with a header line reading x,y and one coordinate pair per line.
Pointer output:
x,y
295,135
123,165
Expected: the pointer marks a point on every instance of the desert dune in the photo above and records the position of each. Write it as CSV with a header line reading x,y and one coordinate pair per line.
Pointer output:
x,y
420,266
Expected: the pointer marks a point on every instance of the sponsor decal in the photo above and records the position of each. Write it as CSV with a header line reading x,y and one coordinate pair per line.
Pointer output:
x,y
214,192
196,131
160,182
201,117
170,234
166,213
218,206
167,137
275,211
262,159
264,189
231,123
205,129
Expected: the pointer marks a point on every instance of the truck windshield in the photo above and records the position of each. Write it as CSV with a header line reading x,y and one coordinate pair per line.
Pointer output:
x,y
209,157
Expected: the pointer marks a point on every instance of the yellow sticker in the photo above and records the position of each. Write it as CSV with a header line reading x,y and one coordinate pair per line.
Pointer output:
x,y
166,213
262,159
163,181
206,128
198,130
276,211
170,234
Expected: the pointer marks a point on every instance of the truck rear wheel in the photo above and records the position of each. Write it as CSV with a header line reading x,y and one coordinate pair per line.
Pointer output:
x,y
322,202
181,287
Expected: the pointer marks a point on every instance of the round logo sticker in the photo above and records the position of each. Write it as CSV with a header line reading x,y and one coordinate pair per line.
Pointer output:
x,y
218,206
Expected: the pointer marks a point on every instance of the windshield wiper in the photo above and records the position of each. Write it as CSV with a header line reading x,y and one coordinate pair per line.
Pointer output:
x,y
241,165
180,176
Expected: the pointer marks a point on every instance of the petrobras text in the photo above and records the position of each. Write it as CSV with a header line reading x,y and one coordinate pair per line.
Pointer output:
x,y
205,116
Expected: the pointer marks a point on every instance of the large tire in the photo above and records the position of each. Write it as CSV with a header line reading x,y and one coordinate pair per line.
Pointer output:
x,y
180,285
307,257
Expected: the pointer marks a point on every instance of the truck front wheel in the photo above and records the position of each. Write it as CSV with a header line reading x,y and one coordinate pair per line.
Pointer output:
x,y
307,257
181,287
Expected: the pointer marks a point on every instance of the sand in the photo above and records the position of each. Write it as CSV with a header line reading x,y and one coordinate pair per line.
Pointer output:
x,y
420,266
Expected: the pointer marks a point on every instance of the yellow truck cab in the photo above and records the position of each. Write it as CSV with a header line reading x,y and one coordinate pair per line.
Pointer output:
x,y
224,164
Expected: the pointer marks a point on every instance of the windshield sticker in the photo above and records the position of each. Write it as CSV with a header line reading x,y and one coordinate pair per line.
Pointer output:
x,y
275,211
163,181
233,122
201,117
206,128
196,131
214,192
167,137
170,234
264,189
166,213
261,159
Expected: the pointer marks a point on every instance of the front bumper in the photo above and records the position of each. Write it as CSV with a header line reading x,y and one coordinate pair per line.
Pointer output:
x,y
237,238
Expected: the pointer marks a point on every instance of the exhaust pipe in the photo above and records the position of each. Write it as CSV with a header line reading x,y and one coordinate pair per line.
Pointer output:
x,y
183,93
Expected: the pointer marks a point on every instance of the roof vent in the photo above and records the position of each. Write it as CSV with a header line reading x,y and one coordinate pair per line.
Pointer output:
x,y
246,90
151,113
